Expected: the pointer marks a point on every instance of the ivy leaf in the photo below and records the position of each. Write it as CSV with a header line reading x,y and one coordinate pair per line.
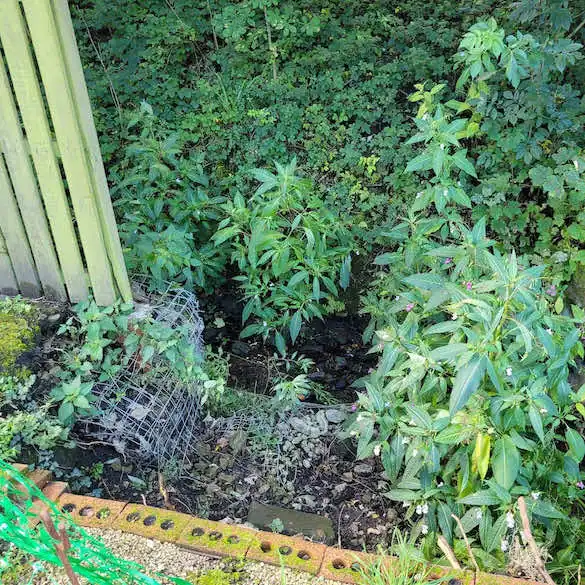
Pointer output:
x,y
466,383
506,462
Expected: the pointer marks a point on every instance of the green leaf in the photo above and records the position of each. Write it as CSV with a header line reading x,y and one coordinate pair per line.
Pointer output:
x,y
280,343
576,444
147,353
445,521
345,272
496,533
400,495
448,352
439,159
480,459
460,159
65,412
445,327
480,498
316,289
419,416
422,162
506,462
466,383
425,281
536,422
454,434
295,325
546,510
81,402
298,277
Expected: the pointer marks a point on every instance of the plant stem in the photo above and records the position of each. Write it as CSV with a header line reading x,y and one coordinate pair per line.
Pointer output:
x,y
448,552
467,545
62,545
271,49
531,544
212,26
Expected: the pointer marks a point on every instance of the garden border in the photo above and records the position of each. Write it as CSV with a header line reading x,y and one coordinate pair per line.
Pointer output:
x,y
219,539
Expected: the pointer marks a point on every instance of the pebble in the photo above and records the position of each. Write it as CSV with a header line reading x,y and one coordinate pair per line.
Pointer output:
x,y
363,468
335,416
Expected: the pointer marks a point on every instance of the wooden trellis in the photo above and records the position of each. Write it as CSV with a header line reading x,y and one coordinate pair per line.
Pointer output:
x,y
58,234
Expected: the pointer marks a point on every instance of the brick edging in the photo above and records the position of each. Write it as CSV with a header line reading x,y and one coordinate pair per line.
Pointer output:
x,y
219,539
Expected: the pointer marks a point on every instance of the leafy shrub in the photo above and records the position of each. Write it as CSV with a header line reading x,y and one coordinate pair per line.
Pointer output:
x,y
104,340
24,421
290,251
470,405
168,217
530,152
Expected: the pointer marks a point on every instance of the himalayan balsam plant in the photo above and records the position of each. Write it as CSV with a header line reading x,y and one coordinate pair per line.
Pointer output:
x,y
470,406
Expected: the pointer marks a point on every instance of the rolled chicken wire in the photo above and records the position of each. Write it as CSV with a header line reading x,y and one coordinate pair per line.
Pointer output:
x,y
155,418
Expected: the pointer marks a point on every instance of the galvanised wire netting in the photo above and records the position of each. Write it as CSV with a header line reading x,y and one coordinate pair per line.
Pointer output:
x,y
154,415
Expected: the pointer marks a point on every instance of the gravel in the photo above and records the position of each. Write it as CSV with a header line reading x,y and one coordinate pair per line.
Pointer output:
x,y
160,557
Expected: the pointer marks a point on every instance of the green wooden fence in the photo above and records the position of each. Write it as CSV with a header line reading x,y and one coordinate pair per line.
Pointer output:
x,y
58,234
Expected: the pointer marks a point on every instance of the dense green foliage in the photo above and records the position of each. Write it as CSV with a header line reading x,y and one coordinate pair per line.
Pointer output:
x,y
464,257
25,420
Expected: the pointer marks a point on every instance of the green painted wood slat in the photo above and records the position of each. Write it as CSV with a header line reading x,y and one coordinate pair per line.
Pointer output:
x,y
22,72
15,150
8,284
15,238
103,200
41,22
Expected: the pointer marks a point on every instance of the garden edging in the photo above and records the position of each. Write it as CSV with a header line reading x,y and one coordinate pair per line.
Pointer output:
x,y
220,539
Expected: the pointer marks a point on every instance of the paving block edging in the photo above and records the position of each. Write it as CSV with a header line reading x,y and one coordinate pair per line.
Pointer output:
x,y
219,539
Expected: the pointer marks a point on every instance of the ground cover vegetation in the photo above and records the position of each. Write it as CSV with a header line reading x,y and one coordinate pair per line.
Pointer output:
x,y
416,169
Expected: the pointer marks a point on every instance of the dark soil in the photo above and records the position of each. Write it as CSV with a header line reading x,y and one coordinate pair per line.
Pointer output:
x,y
241,459
335,345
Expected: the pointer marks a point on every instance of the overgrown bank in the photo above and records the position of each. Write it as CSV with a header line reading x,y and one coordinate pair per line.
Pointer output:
x,y
470,405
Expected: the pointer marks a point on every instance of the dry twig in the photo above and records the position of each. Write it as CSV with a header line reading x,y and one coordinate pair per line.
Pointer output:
x,y
448,552
62,545
529,539
467,545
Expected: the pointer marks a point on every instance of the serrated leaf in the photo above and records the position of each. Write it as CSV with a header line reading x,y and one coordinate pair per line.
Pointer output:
x,y
576,444
295,325
466,383
424,281
505,462
480,498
